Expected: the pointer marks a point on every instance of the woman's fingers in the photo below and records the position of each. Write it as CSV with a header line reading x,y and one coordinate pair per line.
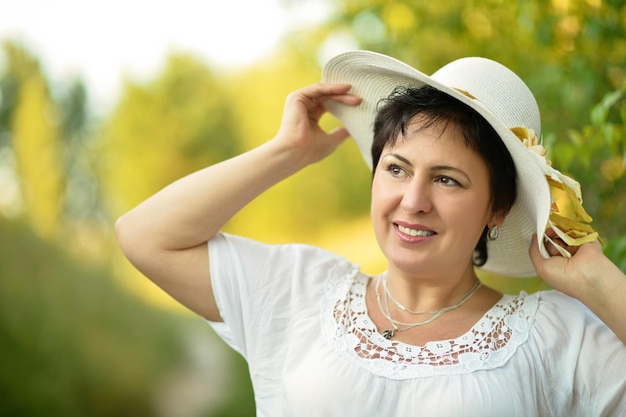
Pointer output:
x,y
551,239
322,89
312,98
319,93
300,128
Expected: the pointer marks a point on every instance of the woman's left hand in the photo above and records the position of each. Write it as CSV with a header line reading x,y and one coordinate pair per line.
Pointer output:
x,y
568,275
589,276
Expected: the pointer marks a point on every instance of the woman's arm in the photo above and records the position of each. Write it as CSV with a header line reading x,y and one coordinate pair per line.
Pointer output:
x,y
590,277
165,236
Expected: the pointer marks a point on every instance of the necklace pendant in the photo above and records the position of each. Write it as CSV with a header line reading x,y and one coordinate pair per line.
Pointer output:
x,y
388,334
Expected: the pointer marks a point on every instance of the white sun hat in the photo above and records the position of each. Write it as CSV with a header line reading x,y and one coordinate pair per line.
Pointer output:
x,y
505,102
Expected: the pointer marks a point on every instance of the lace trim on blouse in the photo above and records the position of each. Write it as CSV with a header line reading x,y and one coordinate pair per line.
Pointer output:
x,y
489,344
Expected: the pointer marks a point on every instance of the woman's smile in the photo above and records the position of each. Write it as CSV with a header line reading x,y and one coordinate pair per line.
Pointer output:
x,y
413,233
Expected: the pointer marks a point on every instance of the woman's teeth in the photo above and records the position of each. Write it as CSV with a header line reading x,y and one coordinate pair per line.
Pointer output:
x,y
415,232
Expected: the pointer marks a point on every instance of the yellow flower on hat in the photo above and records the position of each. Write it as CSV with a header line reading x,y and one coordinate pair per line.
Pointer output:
x,y
530,140
568,217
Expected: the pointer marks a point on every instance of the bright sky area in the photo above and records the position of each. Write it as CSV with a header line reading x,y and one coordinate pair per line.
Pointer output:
x,y
103,40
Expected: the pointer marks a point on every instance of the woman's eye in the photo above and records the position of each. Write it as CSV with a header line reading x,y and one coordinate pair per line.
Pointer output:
x,y
396,171
445,180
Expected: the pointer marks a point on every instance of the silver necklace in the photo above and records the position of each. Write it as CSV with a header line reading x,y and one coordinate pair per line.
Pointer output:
x,y
400,306
395,324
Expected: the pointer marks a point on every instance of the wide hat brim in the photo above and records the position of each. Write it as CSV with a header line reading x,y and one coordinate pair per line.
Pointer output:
x,y
497,94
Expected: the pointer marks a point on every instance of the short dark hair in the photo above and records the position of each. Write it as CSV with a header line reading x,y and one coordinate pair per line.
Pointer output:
x,y
433,107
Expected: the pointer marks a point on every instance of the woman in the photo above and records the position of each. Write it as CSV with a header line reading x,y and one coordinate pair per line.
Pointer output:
x,y
454,187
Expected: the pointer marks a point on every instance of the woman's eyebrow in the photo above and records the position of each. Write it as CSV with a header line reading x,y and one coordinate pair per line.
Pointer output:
x,y
401,158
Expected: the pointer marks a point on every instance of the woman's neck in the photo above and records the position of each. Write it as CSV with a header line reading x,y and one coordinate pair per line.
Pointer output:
x,y
429,291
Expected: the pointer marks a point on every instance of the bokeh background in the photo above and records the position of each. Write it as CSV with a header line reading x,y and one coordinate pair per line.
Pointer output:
x,y
81,332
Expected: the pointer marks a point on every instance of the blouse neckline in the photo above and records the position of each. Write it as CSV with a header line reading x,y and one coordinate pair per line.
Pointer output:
x,y
488,344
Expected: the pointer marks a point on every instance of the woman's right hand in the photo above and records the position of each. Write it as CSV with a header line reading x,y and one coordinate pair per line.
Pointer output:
x,y
300,128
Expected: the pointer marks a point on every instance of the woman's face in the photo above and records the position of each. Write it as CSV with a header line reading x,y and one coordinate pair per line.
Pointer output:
x,y
430,200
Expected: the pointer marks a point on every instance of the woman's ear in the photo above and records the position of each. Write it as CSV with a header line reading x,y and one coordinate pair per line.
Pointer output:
x,y
496,219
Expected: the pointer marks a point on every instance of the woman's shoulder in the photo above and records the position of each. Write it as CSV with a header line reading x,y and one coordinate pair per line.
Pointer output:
x,y
300,269
563,320
561,307
577,349
546,302
557,298
548,308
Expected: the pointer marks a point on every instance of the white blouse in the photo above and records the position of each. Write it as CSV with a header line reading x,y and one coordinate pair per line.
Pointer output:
x,y
298,315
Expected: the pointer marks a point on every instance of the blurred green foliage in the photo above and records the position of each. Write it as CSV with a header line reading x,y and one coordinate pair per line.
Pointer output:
x,y
75,345
596,156
138,156
70,340
77,339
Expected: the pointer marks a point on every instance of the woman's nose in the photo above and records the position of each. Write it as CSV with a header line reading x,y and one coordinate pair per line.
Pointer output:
x,y
417,197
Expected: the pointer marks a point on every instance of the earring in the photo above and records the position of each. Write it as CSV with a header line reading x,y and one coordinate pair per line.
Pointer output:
x,y
493,233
